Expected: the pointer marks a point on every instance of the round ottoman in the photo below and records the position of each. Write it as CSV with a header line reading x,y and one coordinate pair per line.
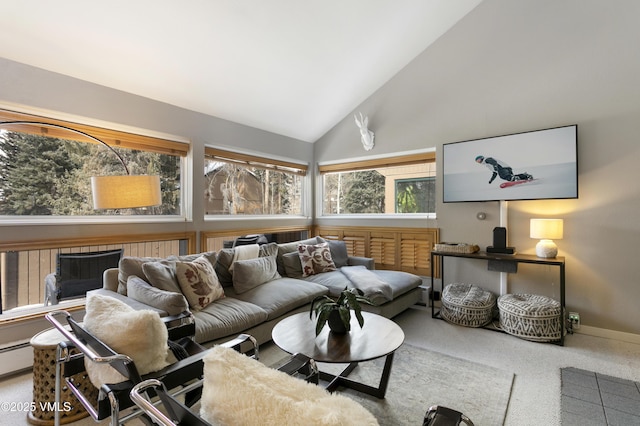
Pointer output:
x,y
467,305
530,317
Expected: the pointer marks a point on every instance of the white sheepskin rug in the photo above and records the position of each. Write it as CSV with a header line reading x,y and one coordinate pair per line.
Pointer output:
x,y
239,390
139,334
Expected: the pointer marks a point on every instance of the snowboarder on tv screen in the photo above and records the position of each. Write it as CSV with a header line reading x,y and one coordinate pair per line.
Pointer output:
x,y
499,168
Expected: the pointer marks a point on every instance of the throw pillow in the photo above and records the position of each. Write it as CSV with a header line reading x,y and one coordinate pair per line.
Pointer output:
x,y
171,302
225,259
292,265
248,274
139,334
292,247
338,251
199,282
130,265
162,274
315,259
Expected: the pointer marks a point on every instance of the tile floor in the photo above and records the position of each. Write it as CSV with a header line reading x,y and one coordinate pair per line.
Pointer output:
x,y
590,398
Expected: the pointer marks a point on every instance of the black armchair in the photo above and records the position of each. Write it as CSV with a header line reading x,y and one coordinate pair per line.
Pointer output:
x,y
77,273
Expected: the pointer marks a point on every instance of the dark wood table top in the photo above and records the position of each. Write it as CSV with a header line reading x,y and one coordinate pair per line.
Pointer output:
x,y
378,337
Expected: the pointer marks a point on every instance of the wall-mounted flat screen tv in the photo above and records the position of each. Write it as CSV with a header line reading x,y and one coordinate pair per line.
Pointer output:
x,y
541,164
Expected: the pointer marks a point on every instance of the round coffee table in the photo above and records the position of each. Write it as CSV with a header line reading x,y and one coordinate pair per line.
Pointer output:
x,y
379,337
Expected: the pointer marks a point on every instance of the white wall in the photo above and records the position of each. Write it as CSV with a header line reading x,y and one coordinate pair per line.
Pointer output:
x,y
512,66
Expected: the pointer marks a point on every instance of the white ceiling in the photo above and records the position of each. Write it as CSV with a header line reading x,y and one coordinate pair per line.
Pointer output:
x,y
291,67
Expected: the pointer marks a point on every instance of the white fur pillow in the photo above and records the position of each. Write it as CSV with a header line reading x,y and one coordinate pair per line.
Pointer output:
x,y
239,390
139,334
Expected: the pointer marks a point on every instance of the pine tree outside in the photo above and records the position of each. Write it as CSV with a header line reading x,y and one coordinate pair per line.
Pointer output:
x,y
46,176
406,189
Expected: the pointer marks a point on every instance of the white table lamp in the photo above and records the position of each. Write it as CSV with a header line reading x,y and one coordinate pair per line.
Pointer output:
x,y
546,230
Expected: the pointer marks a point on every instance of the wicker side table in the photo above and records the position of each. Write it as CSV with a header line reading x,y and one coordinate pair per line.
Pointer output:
x,y
44,346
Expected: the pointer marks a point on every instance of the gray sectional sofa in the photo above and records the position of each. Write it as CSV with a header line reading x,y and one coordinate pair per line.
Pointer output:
x,y
258,292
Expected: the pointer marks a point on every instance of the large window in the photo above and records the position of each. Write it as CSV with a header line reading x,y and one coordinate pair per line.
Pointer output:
x,y
46,171
241,184
395,185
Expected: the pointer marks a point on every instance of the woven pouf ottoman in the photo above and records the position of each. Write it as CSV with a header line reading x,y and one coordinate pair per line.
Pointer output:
x,y
530,316
467,305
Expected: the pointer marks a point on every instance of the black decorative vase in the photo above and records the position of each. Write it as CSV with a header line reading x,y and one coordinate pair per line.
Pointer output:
x,y
335,323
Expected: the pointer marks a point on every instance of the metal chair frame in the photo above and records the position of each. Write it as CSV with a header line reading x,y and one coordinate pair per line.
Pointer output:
x,y
438,415
180,414
185,375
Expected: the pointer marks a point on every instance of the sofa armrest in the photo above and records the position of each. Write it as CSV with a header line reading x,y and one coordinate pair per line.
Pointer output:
x,y
110,279
128,300
367,262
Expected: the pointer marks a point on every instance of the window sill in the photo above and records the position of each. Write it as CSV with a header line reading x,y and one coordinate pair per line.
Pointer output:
x,y
403,216
30,312
62,220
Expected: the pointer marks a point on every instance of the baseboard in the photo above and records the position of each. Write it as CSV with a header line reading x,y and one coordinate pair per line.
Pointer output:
x,y
609,334
15,358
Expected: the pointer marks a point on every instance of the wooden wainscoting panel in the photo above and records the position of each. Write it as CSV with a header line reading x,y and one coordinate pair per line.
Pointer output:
x,y
383,248
401,249
357,242
415,253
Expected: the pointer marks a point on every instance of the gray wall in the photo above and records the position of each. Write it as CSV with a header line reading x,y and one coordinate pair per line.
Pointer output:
x,y
36,88
506,67
512,66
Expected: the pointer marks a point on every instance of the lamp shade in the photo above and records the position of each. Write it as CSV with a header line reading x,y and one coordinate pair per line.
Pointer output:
x,y
125,191
546,229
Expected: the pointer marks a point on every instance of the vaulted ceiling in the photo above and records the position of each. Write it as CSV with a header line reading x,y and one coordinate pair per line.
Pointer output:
x,y
291,67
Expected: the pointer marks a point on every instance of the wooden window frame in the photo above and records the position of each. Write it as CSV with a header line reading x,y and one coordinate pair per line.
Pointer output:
x,y
113,138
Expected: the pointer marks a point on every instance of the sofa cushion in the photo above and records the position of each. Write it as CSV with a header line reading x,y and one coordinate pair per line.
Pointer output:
x,y
400,282
199,282
131,265
248,274
162,274
291,247
138,306
338,251
277,297
225,259
226,317
315,259
139,334
335,281
168,301
292,265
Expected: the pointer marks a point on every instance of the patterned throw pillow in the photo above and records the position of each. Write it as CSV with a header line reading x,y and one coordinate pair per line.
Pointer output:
x,y
199,282
315,259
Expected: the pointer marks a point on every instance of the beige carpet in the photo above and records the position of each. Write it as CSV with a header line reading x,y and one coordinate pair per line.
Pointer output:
x,y
421,378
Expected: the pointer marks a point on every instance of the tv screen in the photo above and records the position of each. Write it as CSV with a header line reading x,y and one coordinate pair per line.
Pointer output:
x,y
541,164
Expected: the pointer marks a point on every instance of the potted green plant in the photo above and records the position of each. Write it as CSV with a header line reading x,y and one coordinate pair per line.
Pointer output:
x,y
338,312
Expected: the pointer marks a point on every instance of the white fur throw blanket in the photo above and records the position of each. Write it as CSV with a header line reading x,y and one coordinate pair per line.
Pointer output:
x,y
239,390
139,334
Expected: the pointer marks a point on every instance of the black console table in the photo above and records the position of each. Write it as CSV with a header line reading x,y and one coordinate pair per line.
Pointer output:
x,y
514,258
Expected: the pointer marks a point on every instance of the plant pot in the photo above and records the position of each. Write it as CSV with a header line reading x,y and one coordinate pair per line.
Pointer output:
x,y
335,322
